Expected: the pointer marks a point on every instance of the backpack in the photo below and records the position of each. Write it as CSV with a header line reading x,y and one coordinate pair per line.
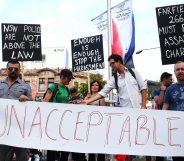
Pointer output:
x,y
54,92
116,77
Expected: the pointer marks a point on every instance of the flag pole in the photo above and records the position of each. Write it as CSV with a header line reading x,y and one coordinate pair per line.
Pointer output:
x,y
22,70
89,90
109,19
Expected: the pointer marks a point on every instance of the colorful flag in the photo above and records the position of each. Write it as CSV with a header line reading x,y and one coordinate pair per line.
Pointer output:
x,y
123,30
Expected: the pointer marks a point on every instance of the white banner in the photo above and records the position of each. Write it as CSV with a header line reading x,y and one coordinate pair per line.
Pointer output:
x,y
91,129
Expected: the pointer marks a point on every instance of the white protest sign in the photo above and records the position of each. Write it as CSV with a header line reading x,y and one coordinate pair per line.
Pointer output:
x,y
91,129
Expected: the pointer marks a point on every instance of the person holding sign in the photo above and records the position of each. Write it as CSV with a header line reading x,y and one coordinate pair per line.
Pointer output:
x,y
14,88
130,87
61,95
174,95
95,87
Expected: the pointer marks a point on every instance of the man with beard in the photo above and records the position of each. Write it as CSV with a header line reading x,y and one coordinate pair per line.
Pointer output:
x,y
174,96
13,87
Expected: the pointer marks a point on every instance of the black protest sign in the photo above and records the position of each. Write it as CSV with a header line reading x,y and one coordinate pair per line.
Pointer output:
x,y
87,53
21,42
170,20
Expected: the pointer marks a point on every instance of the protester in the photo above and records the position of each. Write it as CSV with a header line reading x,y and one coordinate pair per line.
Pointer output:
x,y
61,95
174,95
13,87
158,95
95,87
76,98
131,90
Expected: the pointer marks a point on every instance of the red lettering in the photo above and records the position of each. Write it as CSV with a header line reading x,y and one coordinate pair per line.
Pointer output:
x,y
6,122
61,123
34,123
90,123
142,128
109,125
22,129
125,130
155,134
76,126
47,122
170,129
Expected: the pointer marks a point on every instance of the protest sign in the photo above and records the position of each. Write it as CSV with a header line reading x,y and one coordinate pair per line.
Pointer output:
x,y
91,129
87,53
170,21
21,42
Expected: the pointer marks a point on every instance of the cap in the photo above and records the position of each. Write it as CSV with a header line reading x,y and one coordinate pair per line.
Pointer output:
x,y
66,73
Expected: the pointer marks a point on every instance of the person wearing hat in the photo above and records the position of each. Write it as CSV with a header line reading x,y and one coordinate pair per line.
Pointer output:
x,y
61,95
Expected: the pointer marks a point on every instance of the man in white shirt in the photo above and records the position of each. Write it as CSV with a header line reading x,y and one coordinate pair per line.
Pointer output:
x,y
130,85
131,91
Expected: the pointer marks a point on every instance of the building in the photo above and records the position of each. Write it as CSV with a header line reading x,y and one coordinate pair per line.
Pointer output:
x,y
40,79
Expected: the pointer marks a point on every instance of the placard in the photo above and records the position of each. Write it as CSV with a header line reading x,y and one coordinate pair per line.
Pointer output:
x,y
21,42
87,53
170,21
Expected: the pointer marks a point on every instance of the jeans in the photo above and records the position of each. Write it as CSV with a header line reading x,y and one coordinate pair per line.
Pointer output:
x,y
100,157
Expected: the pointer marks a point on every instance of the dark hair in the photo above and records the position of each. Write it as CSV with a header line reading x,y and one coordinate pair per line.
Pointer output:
x,y
116,58
13,62
66,73
73,89
165,75
99,84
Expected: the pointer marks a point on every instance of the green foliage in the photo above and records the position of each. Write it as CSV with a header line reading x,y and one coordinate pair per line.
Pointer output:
x,y
83,89
150,90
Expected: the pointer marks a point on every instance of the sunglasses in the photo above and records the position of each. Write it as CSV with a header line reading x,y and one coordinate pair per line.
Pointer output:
x,y
11,69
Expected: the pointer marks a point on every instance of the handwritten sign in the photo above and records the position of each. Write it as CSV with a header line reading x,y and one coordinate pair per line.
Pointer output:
x,y
21,42
87,53
170,21
91,129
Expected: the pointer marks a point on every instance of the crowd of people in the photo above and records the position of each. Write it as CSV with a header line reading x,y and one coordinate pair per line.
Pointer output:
x,y
131,93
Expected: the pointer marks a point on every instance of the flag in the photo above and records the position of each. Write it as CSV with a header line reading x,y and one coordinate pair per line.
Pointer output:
x,y
129,55
123,30
116,45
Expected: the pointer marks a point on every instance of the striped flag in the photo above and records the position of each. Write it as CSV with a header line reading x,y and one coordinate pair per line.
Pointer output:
x,y
123,30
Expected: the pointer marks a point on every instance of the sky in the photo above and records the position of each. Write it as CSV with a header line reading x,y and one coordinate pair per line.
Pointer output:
x,y
64,20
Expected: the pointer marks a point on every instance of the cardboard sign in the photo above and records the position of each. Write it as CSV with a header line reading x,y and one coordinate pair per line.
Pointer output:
x,y
170,21
21,42
87,53
91,129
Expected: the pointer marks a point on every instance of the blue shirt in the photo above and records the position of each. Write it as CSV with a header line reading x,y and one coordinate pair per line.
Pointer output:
x,y
156,92
174,96
17,89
